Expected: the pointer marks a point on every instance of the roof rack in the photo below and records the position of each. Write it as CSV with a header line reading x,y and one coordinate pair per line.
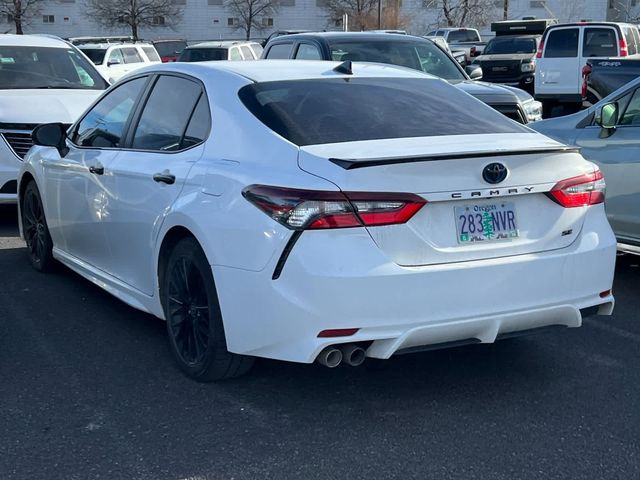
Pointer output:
x,y
111,39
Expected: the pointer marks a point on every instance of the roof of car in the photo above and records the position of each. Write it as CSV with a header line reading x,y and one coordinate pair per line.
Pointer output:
x,y
366,36
104,46
278,70
32,41
219,44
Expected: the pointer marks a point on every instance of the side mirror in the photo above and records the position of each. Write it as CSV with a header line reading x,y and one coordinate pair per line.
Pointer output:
x,y
51,135
607,118
474,72
113,62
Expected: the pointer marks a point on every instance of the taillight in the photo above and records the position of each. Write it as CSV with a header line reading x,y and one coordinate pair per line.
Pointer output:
x,y
473,52
624,50
586,71
540,49
312,210
588,189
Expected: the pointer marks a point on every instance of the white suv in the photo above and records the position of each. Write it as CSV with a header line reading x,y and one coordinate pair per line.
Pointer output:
x,y
116,60
564,51
42,80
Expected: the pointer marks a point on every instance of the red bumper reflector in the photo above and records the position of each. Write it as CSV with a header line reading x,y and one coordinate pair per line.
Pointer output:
x,y
605,294
338,332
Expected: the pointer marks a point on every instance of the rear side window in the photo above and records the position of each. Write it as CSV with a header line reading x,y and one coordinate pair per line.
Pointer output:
x,y
281,51
311,112
599,42
234,54
166,114
248,54
131,55
199,125
308,52
632,43
151,54
562,43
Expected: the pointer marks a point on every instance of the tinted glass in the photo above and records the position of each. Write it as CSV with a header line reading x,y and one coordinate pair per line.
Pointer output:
x,y
248,54
308,52
599,42
94,54
562,43
309,112
202,54
504,45
424,56
131,55
170,49
40,68
166,114
199,125
632,114
104,125
151,54
281,51
462,36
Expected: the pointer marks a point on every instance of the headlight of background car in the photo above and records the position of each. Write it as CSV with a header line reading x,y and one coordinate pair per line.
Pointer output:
x,y
528,67
533,110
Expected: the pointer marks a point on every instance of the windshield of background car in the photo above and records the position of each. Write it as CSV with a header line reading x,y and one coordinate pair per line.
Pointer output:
x,y
500,46
45,67
313,112
170,49
463,36
203,54
95,55
423,56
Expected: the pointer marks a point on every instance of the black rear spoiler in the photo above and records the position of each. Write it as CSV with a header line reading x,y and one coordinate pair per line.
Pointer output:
x,y
350,164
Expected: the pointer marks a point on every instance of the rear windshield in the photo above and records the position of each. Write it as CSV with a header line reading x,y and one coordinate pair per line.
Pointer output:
x,y
462,36
422,55
95,55
599,42
499,46
46,67
312,112
203,54
170,49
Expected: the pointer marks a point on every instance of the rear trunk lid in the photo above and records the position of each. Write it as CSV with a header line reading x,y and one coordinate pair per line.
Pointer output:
x,y
448,172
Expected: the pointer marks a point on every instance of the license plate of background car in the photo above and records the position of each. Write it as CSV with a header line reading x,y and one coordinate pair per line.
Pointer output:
x,y
486,223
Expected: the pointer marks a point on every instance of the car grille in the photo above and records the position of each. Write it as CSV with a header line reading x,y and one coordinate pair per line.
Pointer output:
x,y
511,111
18,137
504,71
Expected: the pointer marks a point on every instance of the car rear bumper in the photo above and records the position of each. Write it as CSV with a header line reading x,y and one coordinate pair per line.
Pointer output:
x,y
340,279
559,97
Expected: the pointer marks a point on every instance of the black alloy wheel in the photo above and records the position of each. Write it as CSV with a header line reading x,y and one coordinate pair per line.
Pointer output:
x,y
194,321
35,229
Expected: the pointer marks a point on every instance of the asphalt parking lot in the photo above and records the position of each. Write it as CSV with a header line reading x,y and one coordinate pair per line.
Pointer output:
x,y
90,390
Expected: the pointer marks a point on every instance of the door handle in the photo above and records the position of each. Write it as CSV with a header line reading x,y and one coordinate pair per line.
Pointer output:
x,y
96,169
165,177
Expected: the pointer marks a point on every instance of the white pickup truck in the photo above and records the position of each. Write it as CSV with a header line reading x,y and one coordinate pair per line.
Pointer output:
x,y
467,39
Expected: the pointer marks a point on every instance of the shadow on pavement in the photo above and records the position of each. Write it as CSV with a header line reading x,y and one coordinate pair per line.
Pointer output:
x,y
8,221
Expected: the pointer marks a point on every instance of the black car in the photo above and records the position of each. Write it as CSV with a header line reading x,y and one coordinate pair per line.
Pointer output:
x,y
407,51
510,57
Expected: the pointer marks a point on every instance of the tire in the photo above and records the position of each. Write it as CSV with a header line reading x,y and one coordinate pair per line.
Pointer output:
x,y
35,229
194,320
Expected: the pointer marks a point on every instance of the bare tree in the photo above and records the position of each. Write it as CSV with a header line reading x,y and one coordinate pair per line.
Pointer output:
x,y
134,13
505,10
461,13
19,12
251,13
363,14
624,11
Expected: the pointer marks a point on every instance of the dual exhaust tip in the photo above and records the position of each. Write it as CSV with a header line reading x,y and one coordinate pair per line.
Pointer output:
x,y
350,354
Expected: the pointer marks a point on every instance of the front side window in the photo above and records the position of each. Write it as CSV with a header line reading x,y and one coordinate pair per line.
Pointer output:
x,y
280,51
599,42
308,52
46,68
116,57
104,125
310,112
562,43
166,114
131,55
234,54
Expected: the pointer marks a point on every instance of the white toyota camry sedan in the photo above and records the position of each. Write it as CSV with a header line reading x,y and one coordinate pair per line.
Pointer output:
x,y
317,211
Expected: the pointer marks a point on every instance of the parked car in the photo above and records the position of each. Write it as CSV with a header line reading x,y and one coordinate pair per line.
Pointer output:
x,y
510,57
330,212
114,60
169,50
42,79
458,55
280,33
608,134
467,39
600,78
565,49
406,51
229,50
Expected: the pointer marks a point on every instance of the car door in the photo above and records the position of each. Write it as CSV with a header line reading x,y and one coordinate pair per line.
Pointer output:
x,y
617,156
115,64
598,41
165,141
77,196
560,70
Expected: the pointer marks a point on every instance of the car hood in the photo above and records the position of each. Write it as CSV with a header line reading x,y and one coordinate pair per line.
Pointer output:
x,y
490,92
516,57
44,106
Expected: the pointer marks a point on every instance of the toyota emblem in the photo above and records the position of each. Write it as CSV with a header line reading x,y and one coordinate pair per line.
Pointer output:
x,y
494,173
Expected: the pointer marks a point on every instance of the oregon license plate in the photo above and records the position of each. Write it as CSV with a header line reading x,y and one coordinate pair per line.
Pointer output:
x,y
484,223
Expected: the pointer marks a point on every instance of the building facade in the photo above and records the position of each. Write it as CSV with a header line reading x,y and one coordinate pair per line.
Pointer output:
x,y
210,19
